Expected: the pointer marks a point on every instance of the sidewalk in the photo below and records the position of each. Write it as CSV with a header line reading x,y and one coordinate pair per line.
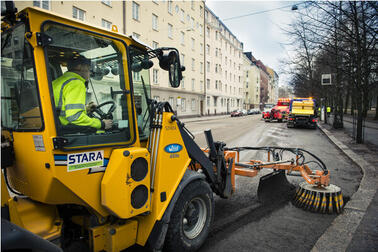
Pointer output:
x,y
356,228
203,118
369,123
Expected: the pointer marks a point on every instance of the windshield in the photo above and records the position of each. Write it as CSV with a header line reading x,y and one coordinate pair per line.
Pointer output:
x,y
142,91
91,90
20,106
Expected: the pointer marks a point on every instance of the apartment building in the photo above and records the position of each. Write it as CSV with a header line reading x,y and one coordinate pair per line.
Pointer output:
x,y
273,85
213,56
178,24
251,80
103,13
223,64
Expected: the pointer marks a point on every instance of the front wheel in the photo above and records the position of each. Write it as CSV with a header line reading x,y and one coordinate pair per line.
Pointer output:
x,y
191,218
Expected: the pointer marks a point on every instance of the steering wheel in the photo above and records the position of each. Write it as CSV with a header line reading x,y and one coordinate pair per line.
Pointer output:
x,y
101,114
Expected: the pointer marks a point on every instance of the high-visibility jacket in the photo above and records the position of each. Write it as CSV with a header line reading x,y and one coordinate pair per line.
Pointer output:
x,y
69,96
328,109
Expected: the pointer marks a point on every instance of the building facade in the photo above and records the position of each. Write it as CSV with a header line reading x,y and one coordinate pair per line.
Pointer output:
x,y
223,64
178,24
251,79
213,81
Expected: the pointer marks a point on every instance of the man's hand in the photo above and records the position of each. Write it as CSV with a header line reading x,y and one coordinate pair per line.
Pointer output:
x,y
90,107
108,123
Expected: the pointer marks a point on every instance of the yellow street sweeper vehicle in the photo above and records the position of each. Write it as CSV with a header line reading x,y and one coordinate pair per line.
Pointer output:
x,y
134,174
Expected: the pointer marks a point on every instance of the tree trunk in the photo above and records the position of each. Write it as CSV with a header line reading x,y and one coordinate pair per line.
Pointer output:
x,y
347,101
376,109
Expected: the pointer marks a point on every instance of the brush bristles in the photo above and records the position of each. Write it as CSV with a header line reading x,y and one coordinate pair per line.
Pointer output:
x,y
314,201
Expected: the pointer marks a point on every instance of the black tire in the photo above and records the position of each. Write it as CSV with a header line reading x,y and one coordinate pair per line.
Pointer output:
x,y
196,198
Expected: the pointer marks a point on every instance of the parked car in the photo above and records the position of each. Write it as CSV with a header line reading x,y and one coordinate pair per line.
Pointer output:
x,y
244,112
257,111
236,113
251,112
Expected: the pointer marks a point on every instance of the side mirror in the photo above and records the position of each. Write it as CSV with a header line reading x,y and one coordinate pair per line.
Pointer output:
x,y
171,63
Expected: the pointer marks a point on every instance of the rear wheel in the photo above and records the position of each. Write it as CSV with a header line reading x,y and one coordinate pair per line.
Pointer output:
x,y
191,218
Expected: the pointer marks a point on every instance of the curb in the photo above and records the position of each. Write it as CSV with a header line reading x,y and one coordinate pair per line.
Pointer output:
x,y
340,233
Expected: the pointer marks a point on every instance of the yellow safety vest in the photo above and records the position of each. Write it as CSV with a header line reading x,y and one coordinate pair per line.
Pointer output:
x,y
69,96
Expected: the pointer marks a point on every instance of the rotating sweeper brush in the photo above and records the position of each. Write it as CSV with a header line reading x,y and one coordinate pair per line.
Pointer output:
x,y
323,199
315,194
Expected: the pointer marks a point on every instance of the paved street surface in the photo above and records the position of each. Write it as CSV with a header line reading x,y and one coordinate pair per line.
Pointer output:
x,y
242,223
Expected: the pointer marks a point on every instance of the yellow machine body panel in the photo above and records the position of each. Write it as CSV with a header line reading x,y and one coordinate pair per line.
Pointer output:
x,y
125,185
305,107
113,238
170,168
40,219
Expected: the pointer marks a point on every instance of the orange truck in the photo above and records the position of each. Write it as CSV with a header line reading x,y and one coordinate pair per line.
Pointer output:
x,y
279,112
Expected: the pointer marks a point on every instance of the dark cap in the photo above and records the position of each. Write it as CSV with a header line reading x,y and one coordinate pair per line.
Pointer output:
x,y
80,60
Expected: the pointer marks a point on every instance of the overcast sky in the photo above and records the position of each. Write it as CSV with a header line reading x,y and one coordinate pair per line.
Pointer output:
x,y
260,33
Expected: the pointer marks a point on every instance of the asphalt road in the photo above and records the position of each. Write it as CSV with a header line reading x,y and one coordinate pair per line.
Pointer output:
x,y
242,223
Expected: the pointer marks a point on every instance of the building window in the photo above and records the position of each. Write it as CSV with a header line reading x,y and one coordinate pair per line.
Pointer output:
x,y
193,84
42,4
135,11
107,2
155,76
183,82
136,76
208,49
208,101
177,8
170,28
201,67
201,48
171,100
155,44
183,104
182,15
208,66
206,14
106,24
182,38
216,35
216,68
78,14
193,64
208,83
182,60
201,29
136,35
208,32
193,43
201,11
216,85
170,6
193,104
154,22
192,23
201,86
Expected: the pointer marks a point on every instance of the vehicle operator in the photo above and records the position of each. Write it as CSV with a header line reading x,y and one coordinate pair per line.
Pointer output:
x,y
70,96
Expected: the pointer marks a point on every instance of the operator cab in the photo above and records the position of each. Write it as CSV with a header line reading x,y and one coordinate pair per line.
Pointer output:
x,y
119,83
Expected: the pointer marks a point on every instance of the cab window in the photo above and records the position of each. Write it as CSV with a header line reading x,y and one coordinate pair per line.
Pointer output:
x,y
106,86
20,104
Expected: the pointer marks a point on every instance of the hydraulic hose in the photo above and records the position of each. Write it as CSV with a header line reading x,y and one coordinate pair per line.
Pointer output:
x,y
296,151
